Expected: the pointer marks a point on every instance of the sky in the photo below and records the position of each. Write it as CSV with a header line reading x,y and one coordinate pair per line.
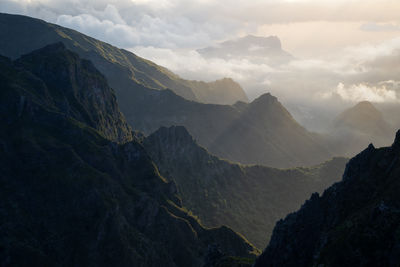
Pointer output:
x,y
344,51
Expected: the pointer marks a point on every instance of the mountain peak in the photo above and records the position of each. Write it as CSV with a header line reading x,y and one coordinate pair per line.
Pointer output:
x,y
396,143
270,41
365,105
267,97
176,134
364,115
78,89
265,101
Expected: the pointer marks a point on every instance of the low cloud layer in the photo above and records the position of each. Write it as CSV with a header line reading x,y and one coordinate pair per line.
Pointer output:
x,y
197,23
344,51
363,92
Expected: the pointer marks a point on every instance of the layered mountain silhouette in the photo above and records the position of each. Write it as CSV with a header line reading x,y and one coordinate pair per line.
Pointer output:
x,y
260,132
225,91
20,35
254,48
77,188
354,223
250,199
356,127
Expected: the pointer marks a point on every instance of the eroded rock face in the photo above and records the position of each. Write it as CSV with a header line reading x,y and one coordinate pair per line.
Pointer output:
x,y
354,223
150,97
78,90
75,188
250,199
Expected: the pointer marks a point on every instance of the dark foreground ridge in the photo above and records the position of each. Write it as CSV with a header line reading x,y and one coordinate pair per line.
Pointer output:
x,y
76,188
250,199
354,223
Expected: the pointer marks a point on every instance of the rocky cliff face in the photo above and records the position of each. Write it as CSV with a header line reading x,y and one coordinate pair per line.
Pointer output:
x,y
250,199
142,94
20,35
266,133
253,48
354,223
70,196
224,91
77,89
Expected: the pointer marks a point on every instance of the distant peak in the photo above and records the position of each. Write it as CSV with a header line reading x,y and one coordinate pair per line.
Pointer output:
x,y
266,98
396,143
364,104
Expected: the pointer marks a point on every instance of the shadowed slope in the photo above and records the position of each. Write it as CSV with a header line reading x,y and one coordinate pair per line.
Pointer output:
x,y
354,223
250,199
72,197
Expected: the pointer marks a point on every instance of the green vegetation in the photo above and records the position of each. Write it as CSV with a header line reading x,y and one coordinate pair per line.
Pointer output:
x,y
72,192
250,199
354,223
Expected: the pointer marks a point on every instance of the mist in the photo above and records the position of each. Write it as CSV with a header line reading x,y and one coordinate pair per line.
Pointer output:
x,y
332,54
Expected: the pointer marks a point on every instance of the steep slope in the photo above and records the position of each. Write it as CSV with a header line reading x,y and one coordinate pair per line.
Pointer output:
x,y
354,223
260,132
146,109
250,199
266,133
224,92
69,196
65,75
20,35
254,48
358,126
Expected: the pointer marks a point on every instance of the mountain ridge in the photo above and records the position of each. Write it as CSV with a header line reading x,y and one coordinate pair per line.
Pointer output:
x,y
71,196
247,198
110,60
353,223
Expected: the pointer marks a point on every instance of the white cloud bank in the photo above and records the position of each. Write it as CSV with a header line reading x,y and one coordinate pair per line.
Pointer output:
x,y
363,92
364,52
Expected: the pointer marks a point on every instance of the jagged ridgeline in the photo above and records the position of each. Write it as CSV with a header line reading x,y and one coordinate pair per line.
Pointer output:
x,y
76,188
20,35
261,132
356,222
250,199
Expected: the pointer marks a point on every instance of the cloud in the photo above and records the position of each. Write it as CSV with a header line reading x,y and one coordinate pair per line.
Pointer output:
x,y
380,27
363,92
195,23
106,30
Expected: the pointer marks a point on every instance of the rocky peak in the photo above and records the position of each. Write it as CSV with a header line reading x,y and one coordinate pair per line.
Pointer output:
x,y
266,42
353,218
266,98
268,105
174,134
396,143
78,89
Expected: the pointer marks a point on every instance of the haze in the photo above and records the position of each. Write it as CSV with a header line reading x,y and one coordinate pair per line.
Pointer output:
x,y
343,51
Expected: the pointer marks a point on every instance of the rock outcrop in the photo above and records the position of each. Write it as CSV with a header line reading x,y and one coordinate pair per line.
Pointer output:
x,y
76,188
354,223
250,199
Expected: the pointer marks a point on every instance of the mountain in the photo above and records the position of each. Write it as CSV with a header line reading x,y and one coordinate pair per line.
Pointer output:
x,y
260,132
225,91
249,199
20,35
266,133
354,223
254,48
358,126
77,188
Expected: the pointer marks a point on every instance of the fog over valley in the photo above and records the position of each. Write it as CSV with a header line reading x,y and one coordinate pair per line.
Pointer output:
x,y
200,133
